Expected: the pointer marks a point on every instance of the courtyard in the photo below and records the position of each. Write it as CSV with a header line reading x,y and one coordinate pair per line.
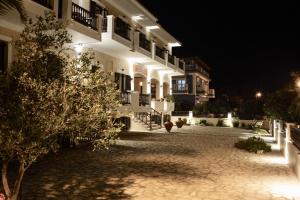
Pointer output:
x,y
195,163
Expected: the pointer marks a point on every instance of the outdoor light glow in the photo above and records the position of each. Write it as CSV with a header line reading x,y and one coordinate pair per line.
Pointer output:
x,y
78,48
148,28
298,83
137,17
258,94
175,44
141,83
229,117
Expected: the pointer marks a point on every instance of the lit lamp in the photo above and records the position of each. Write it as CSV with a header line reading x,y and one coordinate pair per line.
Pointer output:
x,y
258,94
141,85
298,83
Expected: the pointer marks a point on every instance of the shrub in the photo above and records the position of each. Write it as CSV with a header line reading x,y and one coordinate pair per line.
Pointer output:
x,y
236,124
253,144
220,123
243,125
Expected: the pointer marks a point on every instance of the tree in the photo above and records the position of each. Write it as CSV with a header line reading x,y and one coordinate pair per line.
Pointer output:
x,y
46,93
283,105
7,5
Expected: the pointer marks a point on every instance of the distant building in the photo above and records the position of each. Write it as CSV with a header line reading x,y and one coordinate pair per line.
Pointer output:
x,y
193,87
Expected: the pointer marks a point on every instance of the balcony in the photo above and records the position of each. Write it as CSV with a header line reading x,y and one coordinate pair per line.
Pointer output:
x,y
122,29
144,99
180,88
125,98
211,93
171,59
181,65
45,3
160,52
194,68
144,43
104,25
83,16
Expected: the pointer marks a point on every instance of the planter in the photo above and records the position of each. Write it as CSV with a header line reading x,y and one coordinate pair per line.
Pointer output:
x,y
168,125
259,151
179,123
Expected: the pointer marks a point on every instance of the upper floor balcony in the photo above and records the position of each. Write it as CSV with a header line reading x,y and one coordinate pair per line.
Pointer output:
x,y
45,3
195,68
117,30
211,93
181,65
84,17
171,60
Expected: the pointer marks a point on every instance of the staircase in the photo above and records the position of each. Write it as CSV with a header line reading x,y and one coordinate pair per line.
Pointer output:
x,y
151,120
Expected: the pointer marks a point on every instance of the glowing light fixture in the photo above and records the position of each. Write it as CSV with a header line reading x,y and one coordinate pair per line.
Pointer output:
x,y
78,48
175,44
148,28
298,83
137,17
258,94
141,83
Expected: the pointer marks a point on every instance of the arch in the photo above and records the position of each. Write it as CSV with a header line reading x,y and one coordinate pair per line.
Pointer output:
x,y
155,88
140,83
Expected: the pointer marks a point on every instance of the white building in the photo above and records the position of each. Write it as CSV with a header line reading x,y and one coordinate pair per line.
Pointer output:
x,y
127,41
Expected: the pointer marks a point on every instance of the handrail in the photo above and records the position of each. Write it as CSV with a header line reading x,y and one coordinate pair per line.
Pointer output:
x,y
122,28
144,43
160,52
83,16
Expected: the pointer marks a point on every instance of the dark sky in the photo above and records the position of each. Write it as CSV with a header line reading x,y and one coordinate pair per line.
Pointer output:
x,y
249,46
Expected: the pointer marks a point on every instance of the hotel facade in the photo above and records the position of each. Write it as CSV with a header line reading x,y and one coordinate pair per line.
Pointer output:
x,y
127,41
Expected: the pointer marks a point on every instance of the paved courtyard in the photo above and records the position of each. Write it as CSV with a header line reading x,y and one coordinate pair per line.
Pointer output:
x,y
198,163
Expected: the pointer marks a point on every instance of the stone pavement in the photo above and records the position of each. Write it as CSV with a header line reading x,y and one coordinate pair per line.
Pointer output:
x,y
198,163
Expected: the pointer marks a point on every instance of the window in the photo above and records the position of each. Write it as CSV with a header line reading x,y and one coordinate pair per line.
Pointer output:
x,y
181,84
3,56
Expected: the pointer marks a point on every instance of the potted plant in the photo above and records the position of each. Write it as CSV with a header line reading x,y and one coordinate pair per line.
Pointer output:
x,y
168,125
179,123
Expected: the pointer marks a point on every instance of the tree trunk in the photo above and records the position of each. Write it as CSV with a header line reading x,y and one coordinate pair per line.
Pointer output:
x,y
14,194
4,178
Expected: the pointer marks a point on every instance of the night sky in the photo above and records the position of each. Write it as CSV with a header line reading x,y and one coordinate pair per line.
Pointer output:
x,y
249,46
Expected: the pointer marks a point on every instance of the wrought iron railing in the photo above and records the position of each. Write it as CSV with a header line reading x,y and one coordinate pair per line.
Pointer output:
x,y
193,68
83,16
180,88
181,64
150,118
144,43
46,3
125,98
144,99
160,52
295,135
171,59
104,25
122,29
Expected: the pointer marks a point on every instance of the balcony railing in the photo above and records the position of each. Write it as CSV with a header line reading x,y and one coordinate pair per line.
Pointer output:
x,y
193,68
181,64
46,3
160,52
200,90
144,99
171,59
83,16
104,25
122,29
211,93
144,43
180,88
125,98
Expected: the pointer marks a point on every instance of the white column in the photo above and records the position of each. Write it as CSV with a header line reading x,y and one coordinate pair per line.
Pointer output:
x,y
161,85
288,140
131,74
170,83
149,81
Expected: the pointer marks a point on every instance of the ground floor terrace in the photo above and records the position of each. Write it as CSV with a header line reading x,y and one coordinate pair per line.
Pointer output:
x,y
195,163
